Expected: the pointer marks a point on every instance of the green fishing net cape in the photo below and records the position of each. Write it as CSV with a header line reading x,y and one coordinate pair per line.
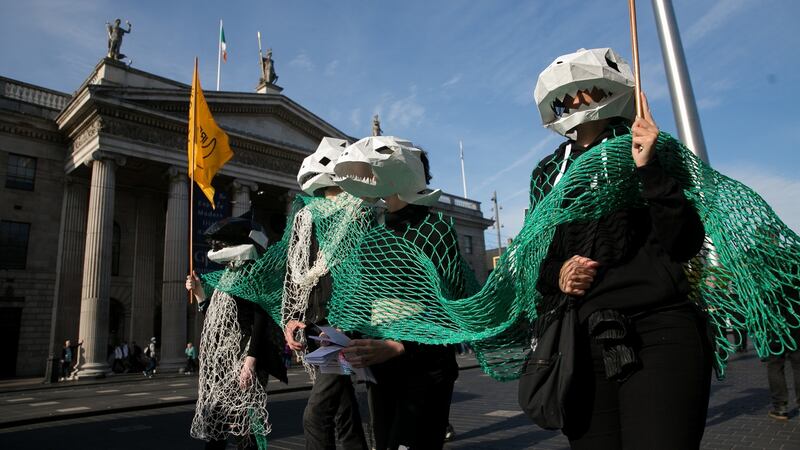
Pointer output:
x,y
744,280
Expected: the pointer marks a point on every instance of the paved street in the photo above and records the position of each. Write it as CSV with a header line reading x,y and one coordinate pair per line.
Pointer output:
x,y
484,413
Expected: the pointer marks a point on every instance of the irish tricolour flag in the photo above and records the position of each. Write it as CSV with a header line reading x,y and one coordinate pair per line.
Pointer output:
x,y
223,47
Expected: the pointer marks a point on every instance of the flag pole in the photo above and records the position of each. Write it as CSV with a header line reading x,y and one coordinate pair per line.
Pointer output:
x,y
219,51
635,49
463,174
192,123
261,57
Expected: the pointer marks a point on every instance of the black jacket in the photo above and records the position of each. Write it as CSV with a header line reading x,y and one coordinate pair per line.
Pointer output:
x,y
640,250
420,362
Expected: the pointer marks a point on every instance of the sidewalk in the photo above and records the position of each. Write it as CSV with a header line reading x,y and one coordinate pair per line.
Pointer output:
x,y
34,384
11,385
29,401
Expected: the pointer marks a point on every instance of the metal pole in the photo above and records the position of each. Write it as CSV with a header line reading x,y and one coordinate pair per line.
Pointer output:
x,y
463,174
497,224
680,86
261,58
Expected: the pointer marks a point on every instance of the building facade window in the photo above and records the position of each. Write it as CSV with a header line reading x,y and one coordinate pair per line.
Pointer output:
x,y
115,239
14,244
468,245
21,172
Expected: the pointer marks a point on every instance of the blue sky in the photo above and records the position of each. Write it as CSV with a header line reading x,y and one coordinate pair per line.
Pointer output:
x,y
442,71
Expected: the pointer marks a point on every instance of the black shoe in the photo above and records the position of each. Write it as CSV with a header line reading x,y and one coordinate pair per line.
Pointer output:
x,y
779,415
450,433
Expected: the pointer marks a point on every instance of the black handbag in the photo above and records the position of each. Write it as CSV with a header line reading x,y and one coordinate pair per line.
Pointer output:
x,y
547,374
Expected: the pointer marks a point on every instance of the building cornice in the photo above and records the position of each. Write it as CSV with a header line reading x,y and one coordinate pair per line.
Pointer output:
x,y
172,138
31,132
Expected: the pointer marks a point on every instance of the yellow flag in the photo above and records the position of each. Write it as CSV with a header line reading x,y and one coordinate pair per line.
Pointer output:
x,y
208,144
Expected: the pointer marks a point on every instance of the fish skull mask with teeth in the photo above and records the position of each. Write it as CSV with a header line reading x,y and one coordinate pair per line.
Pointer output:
x,y
381,166
584,86
316,172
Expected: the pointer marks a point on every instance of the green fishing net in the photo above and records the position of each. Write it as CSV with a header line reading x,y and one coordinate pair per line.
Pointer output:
x,y
414,287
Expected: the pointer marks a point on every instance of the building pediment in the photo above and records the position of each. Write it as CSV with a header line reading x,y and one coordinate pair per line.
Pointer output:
x,y
273,117
146,116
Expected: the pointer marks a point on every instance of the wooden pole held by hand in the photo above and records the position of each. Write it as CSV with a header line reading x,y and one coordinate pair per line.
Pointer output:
x,y
635,50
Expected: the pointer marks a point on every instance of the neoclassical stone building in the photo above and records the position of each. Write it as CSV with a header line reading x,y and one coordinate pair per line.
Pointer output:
x,y
94,210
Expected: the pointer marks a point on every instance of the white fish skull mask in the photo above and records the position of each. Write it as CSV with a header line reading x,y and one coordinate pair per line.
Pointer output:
x,y
381,166
584,86
316,172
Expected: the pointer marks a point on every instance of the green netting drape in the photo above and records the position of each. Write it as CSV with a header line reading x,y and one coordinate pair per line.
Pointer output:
x,y
385,285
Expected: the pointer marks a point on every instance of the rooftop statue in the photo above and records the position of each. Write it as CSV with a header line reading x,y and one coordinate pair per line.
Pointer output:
x,y
115,34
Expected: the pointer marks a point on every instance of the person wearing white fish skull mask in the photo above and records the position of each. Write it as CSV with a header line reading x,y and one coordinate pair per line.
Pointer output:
x,y
332,409
385,166
410,403
642,369
316,171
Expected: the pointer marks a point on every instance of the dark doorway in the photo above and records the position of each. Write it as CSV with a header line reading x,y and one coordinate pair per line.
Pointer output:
x,y
116,322
10,320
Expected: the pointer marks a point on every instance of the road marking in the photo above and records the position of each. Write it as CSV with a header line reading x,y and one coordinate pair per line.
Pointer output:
x,y
503,413
174,397
107,391
178,384
131,428
43,403
136,394
22,399
77,408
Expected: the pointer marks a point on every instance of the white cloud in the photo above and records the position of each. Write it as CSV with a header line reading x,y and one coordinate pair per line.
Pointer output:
x,y
355,117
302,61
406,111
452,81
715,18
518,193
709,102
330,69
779,192
530,154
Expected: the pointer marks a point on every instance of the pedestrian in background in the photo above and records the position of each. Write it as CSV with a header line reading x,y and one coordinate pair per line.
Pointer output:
x,y
776,367
151,354
69,354
117,367
126,353
135,357
191,359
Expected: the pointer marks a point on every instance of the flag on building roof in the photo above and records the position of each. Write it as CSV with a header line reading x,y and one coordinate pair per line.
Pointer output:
x,y
222,44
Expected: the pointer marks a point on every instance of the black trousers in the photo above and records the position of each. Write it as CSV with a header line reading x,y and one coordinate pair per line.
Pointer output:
x,y
662,405
776,376
411,412
332,411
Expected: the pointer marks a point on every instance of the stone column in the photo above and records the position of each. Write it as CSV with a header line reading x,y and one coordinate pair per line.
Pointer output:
x,y
174,297
97,265
143,295
241,196
69,266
